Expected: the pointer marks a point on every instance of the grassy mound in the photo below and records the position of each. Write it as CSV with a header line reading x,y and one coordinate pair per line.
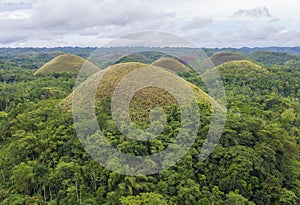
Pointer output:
x,y
135,57
223,57
171,64
237,72
115,73
64,63
241,65
146,98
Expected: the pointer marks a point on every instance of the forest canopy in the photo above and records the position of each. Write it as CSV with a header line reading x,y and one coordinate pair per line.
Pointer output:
x,y
256,161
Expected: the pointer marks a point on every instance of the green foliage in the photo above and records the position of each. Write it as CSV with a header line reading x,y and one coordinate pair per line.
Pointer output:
x,y
144,199
271,58
234,198
256,161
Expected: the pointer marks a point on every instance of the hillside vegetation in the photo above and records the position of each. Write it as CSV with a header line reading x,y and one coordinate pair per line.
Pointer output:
x,y
256,161
272,58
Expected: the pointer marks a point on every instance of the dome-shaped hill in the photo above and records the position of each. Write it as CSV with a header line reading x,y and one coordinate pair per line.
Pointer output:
x,y
115,74
65,63
171,64
146,98
223,57
135,57
241,66
236,73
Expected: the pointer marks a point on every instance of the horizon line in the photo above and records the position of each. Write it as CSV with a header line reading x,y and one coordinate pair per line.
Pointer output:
x,y
95,47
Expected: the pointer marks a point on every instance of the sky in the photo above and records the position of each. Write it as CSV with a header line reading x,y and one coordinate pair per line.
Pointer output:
x,y
213,23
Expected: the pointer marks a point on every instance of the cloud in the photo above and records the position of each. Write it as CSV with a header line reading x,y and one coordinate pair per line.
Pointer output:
x,y
18,1
11,6
273,20
76,17
158,39
254,13
249,36
77,14
15,15
196,23
260,33
93,22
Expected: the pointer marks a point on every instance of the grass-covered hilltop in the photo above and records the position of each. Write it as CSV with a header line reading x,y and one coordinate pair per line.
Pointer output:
x,y
64,63
256,161
171,64
223,57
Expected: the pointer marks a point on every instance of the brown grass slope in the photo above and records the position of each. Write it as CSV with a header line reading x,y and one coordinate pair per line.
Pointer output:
x,y
143,100
65,63
171,64
115,74
223,57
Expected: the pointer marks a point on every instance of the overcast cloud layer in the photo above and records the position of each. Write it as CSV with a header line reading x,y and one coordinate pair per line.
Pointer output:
x,y
214,23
